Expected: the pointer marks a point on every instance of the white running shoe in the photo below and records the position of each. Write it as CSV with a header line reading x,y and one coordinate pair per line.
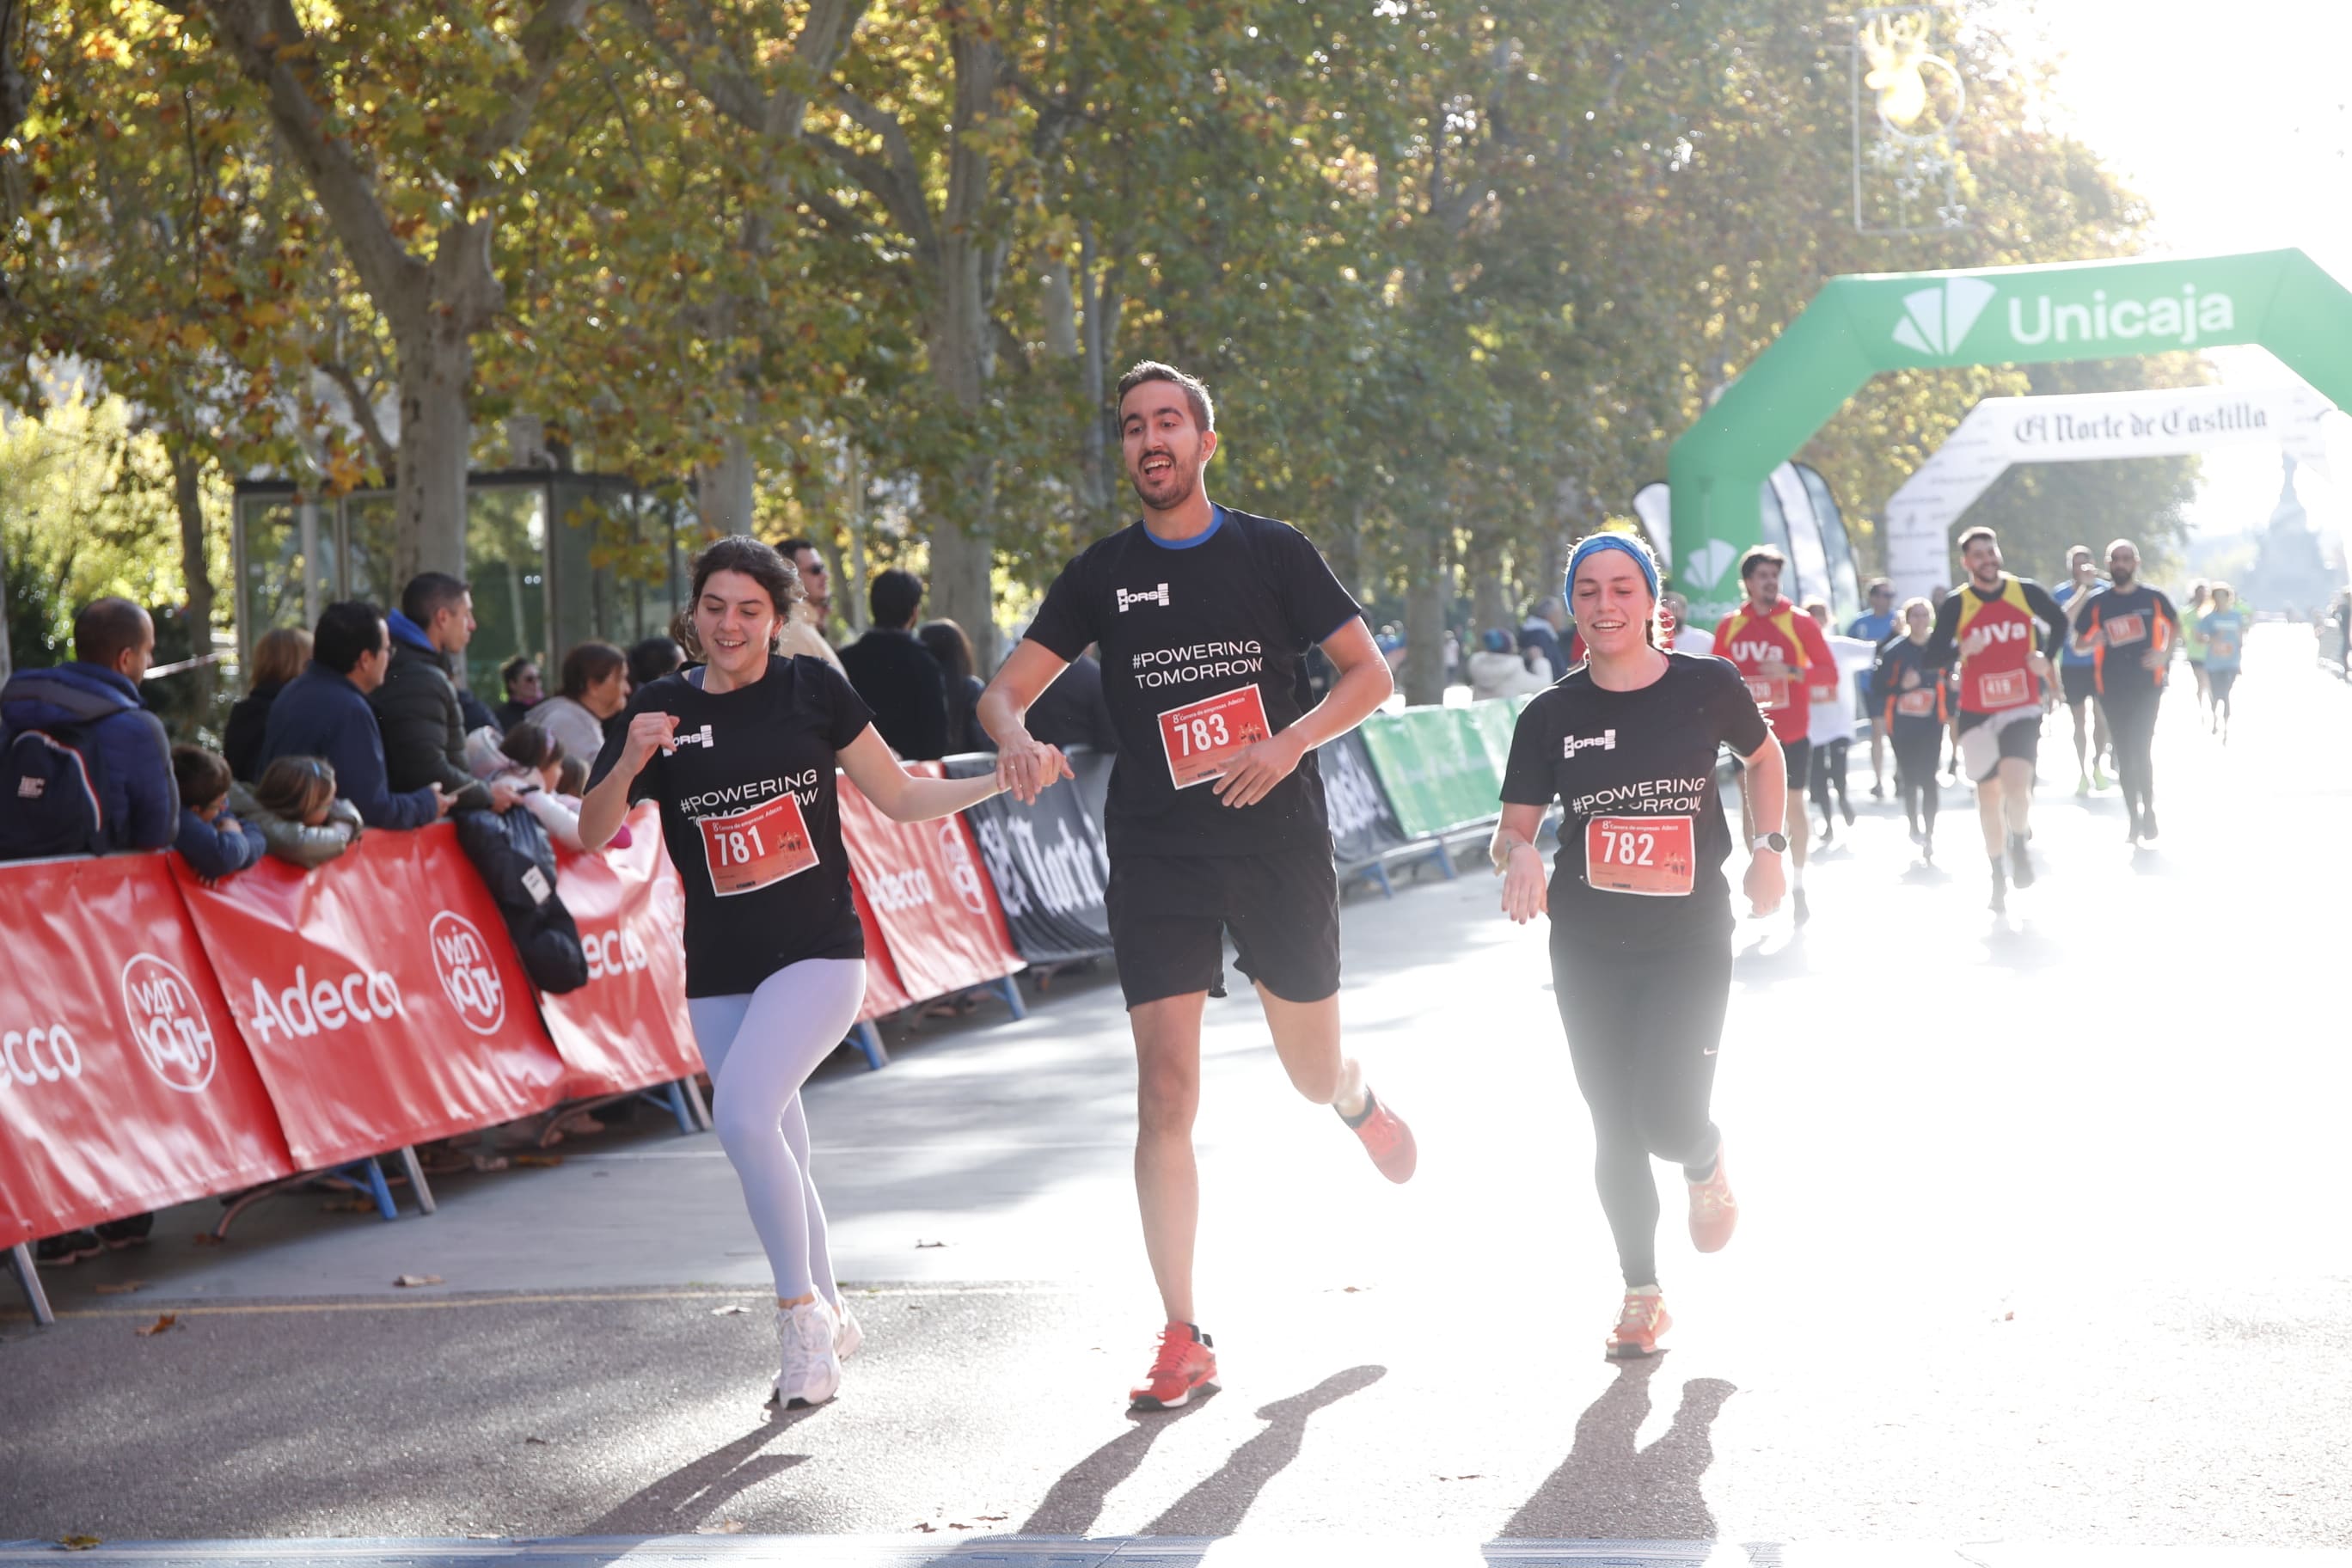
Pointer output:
x,y
812,1371
847,1335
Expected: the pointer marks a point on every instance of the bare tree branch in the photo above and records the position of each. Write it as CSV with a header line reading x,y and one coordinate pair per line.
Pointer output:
x,y
387,452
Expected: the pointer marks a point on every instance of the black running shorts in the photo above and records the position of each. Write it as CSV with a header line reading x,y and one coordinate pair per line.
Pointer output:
x,y
1986,738
1168,914
2078,683
1799,754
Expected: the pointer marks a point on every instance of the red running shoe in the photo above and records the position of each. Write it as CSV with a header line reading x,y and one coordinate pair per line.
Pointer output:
x,y
1639,1321
1385,1138
1187,1362
1714,1212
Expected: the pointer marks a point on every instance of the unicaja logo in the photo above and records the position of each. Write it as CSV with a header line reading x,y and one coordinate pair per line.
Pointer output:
x,y
1937,320
469,977
174,1038
1156,596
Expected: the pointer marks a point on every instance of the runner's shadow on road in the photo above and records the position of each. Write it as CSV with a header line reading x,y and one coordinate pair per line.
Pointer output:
x,y
1606,1489
1215,1507
1076,1499
694,1493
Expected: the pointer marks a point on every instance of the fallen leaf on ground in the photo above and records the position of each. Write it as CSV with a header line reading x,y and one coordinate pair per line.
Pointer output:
x,y
168,1321
735,1311
125,1288
1474,1476
539,1162
1354,1290
418,1279
991,1518
927,1529
921,1245
349,1206
724,1527
79,1542
207,1238
540,1441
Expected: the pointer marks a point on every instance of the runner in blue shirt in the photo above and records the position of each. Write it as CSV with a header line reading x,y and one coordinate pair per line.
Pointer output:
x,y
2225,650
2078,678
1875,629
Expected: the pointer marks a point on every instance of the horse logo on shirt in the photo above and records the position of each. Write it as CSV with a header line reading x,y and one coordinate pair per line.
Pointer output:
x,y
1155,596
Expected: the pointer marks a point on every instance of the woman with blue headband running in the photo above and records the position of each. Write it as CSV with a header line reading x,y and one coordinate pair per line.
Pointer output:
x,y
1641,911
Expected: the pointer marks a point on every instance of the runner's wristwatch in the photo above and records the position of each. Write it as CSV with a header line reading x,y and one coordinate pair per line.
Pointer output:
x,y
1776,842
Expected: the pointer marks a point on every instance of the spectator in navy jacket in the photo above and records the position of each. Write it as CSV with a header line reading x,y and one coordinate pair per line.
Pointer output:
x,y
324,713
896,674
213,843
97,697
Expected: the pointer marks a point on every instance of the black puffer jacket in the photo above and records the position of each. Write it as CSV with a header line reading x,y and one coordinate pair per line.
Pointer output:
x,y
517,864
424,727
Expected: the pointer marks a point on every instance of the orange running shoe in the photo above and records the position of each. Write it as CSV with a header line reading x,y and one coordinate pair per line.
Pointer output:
x,y
1385,1138
1714,1212
1639,1321
1187,1362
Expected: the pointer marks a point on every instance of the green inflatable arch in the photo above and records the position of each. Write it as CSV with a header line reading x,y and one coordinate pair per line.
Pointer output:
x,y
1861,324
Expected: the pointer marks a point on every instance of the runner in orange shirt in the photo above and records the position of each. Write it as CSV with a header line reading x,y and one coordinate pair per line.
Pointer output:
x,y
1787,664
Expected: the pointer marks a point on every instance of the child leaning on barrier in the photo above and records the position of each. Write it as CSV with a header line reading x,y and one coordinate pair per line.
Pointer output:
x,y
535,765
212,841
295,807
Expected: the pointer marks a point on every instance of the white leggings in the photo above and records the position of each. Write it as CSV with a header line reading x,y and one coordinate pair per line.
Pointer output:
x,y
760,1047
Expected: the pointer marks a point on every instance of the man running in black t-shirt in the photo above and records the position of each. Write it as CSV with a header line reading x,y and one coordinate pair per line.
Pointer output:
x,y
1216,819
2129,630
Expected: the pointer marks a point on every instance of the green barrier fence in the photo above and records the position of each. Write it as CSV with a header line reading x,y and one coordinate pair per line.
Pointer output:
x,y
1443,767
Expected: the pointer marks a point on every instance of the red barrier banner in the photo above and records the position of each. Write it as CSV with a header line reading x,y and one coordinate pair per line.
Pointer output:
x,y
380,995
123,1085
924,900
884,993
627,1027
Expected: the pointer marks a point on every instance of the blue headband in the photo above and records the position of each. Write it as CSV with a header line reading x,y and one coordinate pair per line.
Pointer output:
x,y
1593,546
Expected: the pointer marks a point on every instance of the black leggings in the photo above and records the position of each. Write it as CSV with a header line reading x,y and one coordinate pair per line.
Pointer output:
x,y
1643,1028
2224,682
2131,719
1829,772
1918,749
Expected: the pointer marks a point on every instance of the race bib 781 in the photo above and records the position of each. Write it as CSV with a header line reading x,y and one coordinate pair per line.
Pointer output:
x,y
756,847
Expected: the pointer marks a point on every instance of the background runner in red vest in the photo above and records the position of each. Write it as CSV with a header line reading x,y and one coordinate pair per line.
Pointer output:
x,y
1788,664
2002,631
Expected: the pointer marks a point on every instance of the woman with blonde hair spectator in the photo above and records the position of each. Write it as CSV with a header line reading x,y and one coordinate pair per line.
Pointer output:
x,y
277,659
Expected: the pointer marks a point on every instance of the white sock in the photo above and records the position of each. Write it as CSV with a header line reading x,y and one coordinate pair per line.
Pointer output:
x,y
1649,1290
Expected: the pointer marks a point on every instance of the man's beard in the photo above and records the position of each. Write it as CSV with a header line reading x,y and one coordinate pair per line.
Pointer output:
x,y
1183,491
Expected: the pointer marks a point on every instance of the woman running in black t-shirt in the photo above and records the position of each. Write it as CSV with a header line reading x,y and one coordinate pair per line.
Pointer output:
x,y
1640,913
741,755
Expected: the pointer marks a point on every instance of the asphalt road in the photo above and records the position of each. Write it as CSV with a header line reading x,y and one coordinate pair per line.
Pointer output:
x,y
2042,1255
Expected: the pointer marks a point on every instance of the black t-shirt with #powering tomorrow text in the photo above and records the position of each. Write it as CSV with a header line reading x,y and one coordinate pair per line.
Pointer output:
x,y
750,813
1203,650
1642,846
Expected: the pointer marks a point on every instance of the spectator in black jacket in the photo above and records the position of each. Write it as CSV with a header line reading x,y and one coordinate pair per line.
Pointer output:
x,y
1073,710
896,674
95,701
525,691
277,659
324,713
416,707
213,843
944,641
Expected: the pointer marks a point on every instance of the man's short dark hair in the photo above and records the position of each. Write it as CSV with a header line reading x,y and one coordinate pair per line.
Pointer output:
x,y
107,629
791,547
349,630
1196,392
429,593
895,598
1972,535
652,658
1762,555
1881,585
511,671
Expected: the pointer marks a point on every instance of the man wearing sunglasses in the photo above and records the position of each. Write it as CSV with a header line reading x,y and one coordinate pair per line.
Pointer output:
x,y
814,581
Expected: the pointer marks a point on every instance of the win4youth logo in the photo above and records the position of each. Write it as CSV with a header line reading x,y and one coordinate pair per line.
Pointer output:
x,y
1936,321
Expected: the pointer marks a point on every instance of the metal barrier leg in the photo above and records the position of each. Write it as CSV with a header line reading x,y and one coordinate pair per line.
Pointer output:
x,y
416,1173
1010,989
1379,872
693,1092
28,1275
369,1174
1443,859
869,1040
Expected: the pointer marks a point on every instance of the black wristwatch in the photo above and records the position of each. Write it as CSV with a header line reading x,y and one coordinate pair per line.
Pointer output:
x,y
1776,842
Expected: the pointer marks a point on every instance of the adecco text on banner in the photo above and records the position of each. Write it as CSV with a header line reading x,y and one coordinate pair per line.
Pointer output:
x,y
22,1050
169,1026
616,952
302,1009
468,976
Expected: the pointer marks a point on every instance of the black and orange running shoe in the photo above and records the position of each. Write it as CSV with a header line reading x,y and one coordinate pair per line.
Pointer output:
x,y
1639,1321
1385,1138
1186,1363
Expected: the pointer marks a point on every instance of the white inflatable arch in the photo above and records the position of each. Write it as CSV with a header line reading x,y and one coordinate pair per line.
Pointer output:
x,y
2001,432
